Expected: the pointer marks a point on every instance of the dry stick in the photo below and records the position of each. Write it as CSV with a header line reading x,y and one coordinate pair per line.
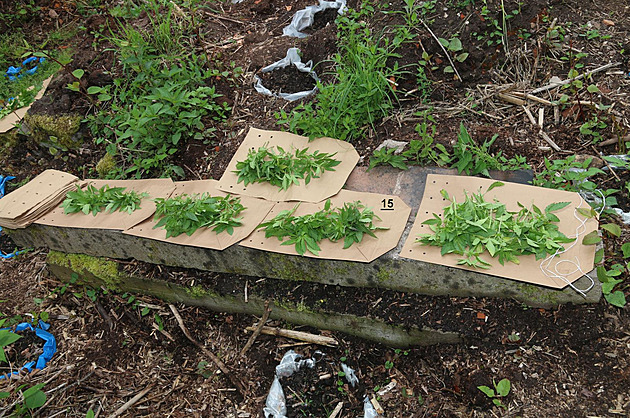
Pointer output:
x,y
530,97
586,74
229,19
259,327
131,402
443,49
336,411
213,357
541,132
297,335
607,165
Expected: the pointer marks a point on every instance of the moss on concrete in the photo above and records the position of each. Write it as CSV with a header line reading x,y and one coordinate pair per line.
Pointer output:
x,y
101,268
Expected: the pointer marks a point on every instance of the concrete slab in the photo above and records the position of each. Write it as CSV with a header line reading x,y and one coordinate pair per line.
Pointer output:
x,y
99,271
388,272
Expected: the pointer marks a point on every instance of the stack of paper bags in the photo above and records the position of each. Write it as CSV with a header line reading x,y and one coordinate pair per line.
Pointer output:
x,y
25,205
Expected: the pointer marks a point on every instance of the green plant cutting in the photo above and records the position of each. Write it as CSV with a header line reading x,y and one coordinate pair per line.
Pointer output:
x,y
348,223
282,168
110,199
186,214
476,225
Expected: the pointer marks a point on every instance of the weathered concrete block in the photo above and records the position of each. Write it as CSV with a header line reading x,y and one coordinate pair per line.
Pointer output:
x,y
388,271
100,271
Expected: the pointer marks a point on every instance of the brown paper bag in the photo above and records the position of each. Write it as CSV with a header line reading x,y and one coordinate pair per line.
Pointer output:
x,y
115,220
255,212
529,270
391,209
327,185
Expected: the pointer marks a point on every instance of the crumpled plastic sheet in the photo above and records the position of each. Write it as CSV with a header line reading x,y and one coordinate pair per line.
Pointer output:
x,y
275,405
292,58
304,18
49,349
351,377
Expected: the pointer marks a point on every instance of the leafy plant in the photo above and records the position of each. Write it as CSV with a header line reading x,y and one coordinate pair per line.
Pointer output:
x,y
349,223
567,174
186,214
161,99
425,150
385,156
475,225
363,91
7,337
94,200
472,159
283,168
500,391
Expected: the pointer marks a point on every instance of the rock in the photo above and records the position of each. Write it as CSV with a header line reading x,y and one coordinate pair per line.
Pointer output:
x,y
608,22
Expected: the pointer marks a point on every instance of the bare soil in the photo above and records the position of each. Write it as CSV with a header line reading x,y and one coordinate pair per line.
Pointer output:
x,y
573,361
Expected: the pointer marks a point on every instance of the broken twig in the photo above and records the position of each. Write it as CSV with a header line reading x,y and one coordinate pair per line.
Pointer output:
x,y
586,74
259,327
220,364
297,335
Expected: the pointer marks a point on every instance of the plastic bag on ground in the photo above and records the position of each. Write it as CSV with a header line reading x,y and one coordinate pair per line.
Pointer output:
x,y
292,58
304,18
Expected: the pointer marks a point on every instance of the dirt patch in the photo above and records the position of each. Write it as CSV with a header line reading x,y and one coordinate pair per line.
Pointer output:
x,y
287,80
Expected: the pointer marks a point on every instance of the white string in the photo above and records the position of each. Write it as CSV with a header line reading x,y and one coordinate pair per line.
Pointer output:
x,y
579,230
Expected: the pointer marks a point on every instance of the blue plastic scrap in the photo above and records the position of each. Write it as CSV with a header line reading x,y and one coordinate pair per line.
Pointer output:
x,y
3,181
13,73
49,350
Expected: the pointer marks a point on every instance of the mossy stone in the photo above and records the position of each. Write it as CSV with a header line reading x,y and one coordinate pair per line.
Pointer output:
x,y
54,131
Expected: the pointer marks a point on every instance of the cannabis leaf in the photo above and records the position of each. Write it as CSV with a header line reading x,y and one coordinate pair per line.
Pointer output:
x,y
475,226
348,223
283,168
93,200
185,214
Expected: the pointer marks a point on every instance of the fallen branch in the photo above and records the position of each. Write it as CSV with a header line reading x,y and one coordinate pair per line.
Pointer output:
x,y
213,357
586,74
297,335
259,327
131,402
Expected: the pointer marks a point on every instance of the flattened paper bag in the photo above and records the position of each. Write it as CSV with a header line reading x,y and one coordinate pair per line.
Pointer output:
x,y
255,211
115,220
529,270
391,209
21,207
327,185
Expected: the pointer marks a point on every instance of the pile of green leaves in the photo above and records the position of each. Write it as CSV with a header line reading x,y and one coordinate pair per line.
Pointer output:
x,y
349,223
283,168
185,214
94,200
475,225
472,159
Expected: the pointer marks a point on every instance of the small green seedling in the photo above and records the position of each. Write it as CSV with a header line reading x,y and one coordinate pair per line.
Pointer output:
x,y
500,391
